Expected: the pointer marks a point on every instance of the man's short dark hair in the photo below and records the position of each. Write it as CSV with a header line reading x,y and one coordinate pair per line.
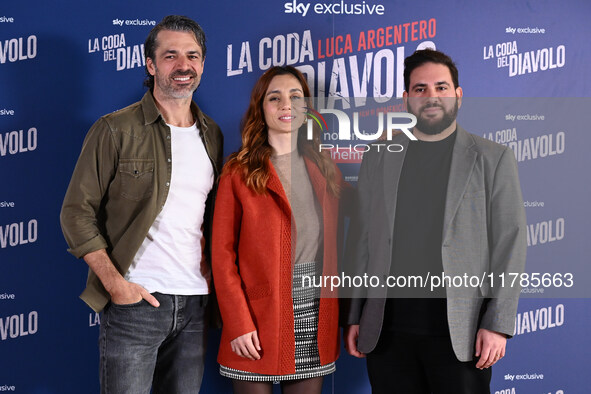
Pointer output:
x,y
173,23
429,55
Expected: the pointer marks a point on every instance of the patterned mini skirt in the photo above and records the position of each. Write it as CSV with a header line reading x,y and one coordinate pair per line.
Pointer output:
x,y
305,310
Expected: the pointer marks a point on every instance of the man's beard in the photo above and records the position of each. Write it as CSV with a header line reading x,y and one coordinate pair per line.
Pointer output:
x,y
165,84
431,127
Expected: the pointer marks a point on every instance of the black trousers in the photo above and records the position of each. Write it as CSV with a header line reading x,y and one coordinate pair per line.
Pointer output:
x,y
422,364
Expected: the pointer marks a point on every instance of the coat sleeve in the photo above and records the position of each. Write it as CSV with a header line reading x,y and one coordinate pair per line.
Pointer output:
x,y
507,245
236,317
92,175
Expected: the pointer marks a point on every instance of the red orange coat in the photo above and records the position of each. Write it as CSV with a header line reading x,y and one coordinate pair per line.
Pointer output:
x,y
252,271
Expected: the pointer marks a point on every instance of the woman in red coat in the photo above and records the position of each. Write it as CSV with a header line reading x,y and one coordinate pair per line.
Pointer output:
x,y
275,224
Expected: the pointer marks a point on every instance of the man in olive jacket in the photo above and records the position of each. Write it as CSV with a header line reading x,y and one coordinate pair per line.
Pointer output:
x,y
138,211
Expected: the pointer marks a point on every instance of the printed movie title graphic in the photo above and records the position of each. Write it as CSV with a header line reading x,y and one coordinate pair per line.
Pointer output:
x,y
349,74
94,319
530,148
512,391
15,234
546,231
527,62
16,326
18,141
18,49
539,319
115,49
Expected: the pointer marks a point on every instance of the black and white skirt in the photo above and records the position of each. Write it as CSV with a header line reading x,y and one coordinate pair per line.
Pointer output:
x,y
305,311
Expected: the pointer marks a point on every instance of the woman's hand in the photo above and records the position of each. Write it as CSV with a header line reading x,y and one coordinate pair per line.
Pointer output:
x,y
247,346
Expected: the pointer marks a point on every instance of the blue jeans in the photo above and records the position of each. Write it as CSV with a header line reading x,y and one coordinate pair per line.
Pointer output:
x,y
163,348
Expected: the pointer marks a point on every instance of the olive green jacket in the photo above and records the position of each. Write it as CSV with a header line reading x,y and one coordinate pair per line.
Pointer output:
x,y
120,184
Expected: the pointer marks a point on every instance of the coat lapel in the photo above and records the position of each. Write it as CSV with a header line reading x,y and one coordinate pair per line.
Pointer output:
x,y
274,185
462,164
318,181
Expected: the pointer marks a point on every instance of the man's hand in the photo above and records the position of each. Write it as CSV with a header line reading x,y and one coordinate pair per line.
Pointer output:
x,y
351,335
247,346
490,347
125,293
122,292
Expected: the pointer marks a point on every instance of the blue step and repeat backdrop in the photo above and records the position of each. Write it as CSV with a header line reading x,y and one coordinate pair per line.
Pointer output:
x,y
524,68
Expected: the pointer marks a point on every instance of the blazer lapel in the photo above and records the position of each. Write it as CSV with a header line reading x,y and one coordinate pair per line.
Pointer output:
x,y
462,164
392,169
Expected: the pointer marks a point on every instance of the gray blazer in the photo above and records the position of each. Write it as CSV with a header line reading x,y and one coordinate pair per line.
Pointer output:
x,y
484,232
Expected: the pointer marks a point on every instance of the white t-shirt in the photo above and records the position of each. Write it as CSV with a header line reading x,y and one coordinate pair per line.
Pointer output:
x,y
169,260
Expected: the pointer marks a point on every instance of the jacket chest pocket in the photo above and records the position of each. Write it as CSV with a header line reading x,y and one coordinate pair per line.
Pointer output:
x,y
137,178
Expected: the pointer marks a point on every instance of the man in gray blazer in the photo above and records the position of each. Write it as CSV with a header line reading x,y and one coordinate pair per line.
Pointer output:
x,y
447,208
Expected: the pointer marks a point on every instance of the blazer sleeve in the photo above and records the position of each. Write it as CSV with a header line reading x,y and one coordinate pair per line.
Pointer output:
x,y
507,244
236,317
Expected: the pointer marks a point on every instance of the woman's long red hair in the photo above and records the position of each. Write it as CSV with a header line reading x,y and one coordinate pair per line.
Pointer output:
x,y
252,159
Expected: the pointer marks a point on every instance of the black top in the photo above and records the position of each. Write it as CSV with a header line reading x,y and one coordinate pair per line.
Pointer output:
x,y
416,246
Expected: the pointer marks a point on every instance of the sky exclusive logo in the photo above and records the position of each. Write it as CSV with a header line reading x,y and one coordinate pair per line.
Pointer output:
x,y
338,8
